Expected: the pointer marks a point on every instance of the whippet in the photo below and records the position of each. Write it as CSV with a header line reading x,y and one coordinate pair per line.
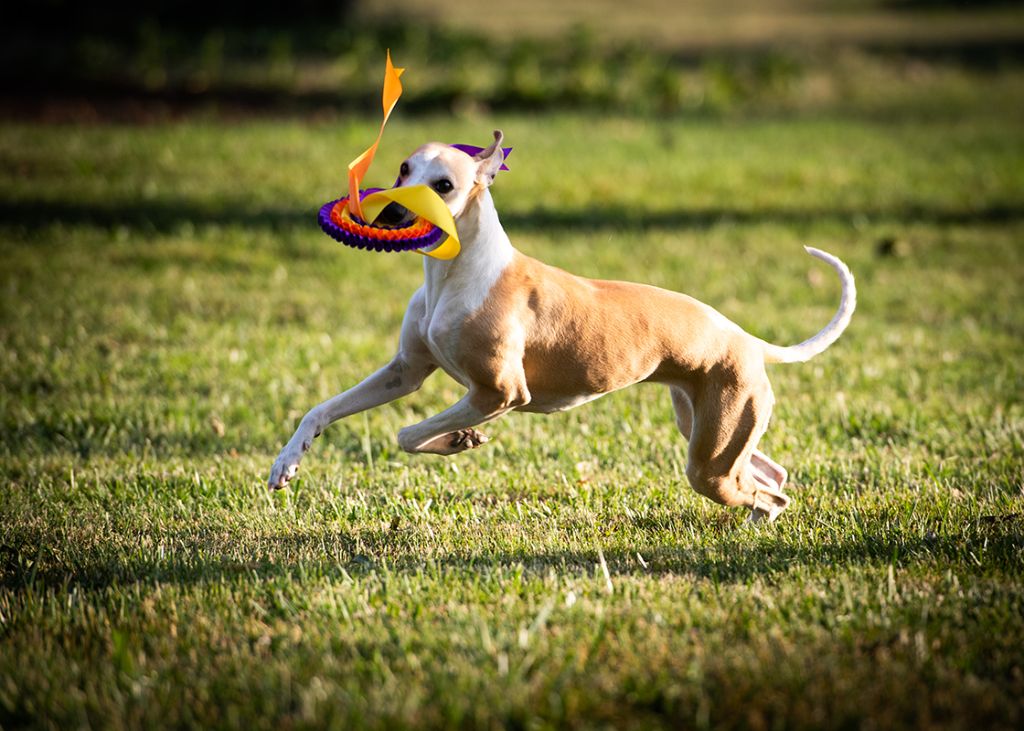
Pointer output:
x,y
521,335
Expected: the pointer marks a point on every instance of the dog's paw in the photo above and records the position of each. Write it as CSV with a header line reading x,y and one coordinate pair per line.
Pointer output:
x,y
768,506
444,444
286,466
467,439
764,515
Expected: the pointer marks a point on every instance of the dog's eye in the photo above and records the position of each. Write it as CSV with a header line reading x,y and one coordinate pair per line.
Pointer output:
x,y
404,170
443,186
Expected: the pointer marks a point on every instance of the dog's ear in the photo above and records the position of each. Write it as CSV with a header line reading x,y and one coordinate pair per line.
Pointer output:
x,y
489,161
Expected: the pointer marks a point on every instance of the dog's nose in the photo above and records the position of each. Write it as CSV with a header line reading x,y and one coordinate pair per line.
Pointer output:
x,y
393,214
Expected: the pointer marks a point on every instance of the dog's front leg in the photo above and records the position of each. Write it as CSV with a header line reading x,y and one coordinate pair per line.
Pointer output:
x,y
399,378
451,431
403,375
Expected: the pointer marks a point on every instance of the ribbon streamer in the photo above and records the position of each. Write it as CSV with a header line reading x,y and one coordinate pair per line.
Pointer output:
x,y
358,167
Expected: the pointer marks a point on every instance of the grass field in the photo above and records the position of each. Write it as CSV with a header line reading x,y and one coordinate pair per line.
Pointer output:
x,y
169,311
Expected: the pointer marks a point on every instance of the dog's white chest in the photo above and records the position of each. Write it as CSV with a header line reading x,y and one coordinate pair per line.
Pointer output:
x,y
455,291
439,330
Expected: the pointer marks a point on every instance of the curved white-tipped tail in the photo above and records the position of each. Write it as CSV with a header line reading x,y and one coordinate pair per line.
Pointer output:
x,y
831,332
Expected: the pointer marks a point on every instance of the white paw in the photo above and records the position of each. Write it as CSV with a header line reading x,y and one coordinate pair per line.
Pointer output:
x,y
767,514
286,466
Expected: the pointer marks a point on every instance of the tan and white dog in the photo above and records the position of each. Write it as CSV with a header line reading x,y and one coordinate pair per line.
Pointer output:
x,y
522,335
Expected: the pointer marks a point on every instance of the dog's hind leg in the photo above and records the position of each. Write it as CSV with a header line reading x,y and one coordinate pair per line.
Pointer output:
x,y
684,411
725,420
767,468
762,467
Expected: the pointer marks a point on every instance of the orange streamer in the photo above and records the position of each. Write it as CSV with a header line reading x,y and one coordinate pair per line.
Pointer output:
x,y
358,167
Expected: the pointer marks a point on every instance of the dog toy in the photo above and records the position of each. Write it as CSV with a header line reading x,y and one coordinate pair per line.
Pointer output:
x,y
351,220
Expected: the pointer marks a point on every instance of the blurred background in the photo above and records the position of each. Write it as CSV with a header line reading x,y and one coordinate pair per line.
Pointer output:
x,y
169,310
70,60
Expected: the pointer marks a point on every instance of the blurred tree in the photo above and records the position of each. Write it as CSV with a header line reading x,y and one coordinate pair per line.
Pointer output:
x,y
117,18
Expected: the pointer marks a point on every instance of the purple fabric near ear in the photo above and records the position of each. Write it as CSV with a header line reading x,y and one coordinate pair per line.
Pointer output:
x,y
473,149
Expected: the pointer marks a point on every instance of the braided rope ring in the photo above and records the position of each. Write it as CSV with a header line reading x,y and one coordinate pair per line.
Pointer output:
x,y
337,222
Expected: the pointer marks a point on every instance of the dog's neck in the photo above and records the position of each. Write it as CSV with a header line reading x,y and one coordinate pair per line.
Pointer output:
x,y
486,251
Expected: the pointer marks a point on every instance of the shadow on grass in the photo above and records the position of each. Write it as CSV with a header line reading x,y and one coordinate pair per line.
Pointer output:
x,y
98,436
202,557
171,216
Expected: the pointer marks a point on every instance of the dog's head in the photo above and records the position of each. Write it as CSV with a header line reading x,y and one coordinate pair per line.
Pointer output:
x,y
451,173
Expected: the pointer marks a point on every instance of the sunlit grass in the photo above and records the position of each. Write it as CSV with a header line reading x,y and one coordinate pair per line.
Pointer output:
x,y
170,310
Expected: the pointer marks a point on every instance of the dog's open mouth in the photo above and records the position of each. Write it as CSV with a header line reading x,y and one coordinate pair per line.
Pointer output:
x,y
394,215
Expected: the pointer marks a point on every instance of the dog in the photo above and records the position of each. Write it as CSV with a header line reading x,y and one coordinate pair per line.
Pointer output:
x,y
520,335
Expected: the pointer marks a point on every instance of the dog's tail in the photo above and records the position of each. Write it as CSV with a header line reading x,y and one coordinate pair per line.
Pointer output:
x,y
831,332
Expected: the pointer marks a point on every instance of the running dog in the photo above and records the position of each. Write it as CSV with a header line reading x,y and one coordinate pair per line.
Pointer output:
x,y
520,335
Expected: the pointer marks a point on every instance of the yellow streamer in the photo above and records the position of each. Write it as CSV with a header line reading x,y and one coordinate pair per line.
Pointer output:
x,y
424,202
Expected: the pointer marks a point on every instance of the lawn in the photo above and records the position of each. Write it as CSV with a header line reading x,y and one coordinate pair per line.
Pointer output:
x,y
169,311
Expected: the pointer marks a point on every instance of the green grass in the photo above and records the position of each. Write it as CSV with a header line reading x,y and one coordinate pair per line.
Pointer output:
x,y
169,311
